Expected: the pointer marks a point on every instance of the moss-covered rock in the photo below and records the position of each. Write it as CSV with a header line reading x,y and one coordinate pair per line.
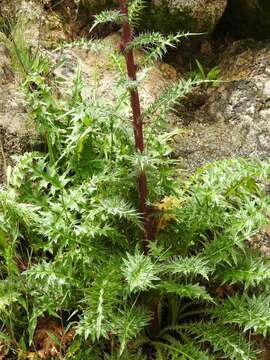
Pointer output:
x,y
173,15
97,5
177,15
248,18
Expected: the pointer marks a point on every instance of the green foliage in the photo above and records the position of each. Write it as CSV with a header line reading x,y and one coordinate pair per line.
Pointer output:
x,y
25,58
224,340
212,74
71,234
250,270
139,272
190,291
200,73
248,312
174,349
107,16
128,324
169,98
157,44
102,301
134,12
194,265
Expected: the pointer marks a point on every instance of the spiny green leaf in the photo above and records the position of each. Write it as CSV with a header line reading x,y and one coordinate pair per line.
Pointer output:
x,y
139,271
107,16
135,12
224,339
128,323
250,313
250,270
190,291
196,265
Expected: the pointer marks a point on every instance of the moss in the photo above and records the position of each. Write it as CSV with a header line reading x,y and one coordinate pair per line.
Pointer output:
x,y
97,5
160,18
157,18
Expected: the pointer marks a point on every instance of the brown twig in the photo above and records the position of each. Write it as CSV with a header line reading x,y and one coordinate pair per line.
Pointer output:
x,y
4,158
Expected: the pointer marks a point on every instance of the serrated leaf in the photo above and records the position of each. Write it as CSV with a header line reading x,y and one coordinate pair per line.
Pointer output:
x,y
224,339
192,266
250,313
139,271
250,270
190,291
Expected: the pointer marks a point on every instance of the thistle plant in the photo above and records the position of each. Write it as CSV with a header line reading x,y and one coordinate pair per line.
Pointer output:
x,y
71,229
159,45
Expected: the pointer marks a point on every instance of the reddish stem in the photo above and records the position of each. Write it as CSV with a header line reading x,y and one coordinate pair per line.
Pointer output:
x,y
137,119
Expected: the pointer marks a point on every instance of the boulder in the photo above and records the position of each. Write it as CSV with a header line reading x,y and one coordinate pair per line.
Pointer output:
x,y
235,119
187,15
173,15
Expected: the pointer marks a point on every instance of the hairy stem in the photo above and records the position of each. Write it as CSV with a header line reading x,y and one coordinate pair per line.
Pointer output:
x,y
137,119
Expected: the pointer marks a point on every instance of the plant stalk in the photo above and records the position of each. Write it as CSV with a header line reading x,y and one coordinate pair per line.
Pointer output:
x,y
127,37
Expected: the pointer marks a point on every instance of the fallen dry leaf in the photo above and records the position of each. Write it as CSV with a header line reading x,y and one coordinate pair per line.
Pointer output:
x,y
225,290
48,335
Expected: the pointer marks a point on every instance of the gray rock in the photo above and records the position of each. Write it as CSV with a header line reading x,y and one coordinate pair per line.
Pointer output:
x,y
235,120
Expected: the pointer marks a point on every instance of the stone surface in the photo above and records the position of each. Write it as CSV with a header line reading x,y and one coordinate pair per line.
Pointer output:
x,y
16,133
235,119
188,15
